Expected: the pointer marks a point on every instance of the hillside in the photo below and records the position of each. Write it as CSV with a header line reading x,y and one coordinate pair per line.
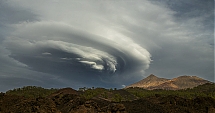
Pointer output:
x,y
182,82
148,82
32,99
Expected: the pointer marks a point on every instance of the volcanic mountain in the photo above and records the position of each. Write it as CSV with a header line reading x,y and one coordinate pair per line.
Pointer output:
x,y
182,82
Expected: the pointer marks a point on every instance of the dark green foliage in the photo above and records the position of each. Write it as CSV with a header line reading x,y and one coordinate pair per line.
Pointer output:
x,y
90,93
31,91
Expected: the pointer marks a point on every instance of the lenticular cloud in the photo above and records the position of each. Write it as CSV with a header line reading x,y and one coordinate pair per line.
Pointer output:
x,y
101,43
109,57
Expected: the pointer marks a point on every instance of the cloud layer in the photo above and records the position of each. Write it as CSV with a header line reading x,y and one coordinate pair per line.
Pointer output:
x,y
103,43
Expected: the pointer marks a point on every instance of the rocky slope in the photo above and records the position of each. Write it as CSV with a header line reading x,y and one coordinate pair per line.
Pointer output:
x,y
182,82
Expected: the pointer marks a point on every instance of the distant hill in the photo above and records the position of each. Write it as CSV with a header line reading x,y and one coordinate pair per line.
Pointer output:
x,y
182,82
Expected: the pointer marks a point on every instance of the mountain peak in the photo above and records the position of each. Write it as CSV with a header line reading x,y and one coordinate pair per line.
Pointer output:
x,y
182,82
149,81
152,76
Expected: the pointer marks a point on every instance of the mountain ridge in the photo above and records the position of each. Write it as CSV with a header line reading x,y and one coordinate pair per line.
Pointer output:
x,y
182,82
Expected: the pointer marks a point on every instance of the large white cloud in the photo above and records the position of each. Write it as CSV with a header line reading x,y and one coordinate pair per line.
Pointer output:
x,y
99,52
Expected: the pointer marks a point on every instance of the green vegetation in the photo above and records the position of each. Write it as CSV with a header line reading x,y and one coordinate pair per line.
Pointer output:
x,y
31,91
206,90
29,99
90,93
117,98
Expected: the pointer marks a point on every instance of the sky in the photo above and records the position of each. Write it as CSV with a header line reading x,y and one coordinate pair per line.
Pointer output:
x,y
103,43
